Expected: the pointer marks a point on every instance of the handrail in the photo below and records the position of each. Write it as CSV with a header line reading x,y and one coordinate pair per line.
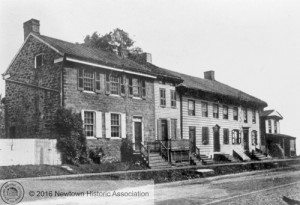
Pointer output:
x,y
147,155
197,152
162,145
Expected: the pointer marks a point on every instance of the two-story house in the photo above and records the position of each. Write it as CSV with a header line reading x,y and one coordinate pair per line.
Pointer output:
x,y
276,144
114,95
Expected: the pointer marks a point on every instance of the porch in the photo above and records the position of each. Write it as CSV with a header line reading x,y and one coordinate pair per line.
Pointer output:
x,y
280,145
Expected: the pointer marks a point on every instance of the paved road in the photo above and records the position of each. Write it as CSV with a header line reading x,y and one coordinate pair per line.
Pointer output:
x,y
263,188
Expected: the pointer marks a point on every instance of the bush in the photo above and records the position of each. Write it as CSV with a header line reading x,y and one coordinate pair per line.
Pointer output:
x,y
126,151
71,141
94,154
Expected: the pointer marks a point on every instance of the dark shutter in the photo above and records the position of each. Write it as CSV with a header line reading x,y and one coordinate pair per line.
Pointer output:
x,y
97,82
205,137
80,79
107,84
123,82
143,89
130,86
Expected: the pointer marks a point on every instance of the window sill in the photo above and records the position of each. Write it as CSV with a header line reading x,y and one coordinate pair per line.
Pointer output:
x,y
115,95
92,138
162,106
115,138
136,98
90,92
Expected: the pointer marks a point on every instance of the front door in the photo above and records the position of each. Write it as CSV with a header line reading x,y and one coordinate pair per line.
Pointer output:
x,y
246,139
216,130
192,137
138,135
164,131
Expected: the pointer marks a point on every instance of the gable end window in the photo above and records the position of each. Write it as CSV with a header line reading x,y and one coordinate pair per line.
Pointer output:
x,y
173,98
39,60
191,107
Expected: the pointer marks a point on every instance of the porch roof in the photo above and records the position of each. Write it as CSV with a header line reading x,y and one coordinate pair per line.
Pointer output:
x,y
273,135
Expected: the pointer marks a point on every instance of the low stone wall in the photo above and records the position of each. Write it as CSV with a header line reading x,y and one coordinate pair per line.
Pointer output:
x,y
29,152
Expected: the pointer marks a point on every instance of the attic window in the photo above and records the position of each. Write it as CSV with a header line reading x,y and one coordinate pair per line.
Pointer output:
x,y
38,61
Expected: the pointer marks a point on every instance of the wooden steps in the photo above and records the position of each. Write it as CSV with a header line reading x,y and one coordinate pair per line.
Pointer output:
x,y
259,156
157,162
241,155
230,158
206,160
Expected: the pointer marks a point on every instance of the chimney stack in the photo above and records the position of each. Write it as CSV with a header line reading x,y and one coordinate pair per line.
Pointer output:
x,y
209,75
33,26
146,57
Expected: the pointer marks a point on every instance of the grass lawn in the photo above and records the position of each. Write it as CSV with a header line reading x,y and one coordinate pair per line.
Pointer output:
x,y
24,171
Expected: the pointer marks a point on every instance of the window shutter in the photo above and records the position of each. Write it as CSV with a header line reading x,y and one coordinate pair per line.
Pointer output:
x,y
169,128
107,84
130,87
107,125
144,89
233,138
123,82
123,125
159,129
97,82
98,124
205,136
80,79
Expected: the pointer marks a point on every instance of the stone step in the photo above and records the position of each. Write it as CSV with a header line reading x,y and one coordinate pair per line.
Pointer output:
x,y
160,167
159,164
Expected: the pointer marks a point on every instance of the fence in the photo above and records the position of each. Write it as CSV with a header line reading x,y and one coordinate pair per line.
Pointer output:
x,y
29,151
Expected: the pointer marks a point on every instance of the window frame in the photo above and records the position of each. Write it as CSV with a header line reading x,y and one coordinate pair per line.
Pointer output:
x,y
35,60
173,98
253,116
204,113
269,125
254,138
235,117
89,124
193,111
119,125
236,139
245,115
205,135
216,115
162,97
225,116
173,124
275,126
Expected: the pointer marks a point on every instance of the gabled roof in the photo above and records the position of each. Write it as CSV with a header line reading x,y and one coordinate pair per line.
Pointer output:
x,y
271,113
211,86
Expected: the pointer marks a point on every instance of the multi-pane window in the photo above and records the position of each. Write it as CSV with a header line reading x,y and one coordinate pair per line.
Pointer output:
x,y
253,116
173,98
89,123
225,112
275,126
245,115
114,84
226,136
204,106
162,97
130,86
236,138
269,126
88,80
205,135
137,87
215,110
191,107
115,125
254,137
235,113
38,61
173,128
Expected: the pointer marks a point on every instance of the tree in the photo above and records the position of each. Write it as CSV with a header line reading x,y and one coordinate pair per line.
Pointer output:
x,y
117,41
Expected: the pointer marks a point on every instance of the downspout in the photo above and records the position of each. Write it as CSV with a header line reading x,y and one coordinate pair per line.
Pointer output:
x,y
181,119
62,103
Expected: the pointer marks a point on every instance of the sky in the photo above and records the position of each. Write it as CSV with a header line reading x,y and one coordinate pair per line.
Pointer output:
x,y
252,45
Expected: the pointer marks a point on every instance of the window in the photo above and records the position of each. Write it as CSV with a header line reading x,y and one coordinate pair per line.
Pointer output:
x,y
235,113
114,84
173,128
115,125
269,126
205,135
89,80
162,97
136,87
225,112
38,61
254,137
236,138
275,126
226,136
173,98
89,123
191,107
253,117
215,110
130,86
245,115
204,109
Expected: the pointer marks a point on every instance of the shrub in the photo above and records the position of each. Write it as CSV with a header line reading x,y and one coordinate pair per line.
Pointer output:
x,y
71,141
94,154
126,151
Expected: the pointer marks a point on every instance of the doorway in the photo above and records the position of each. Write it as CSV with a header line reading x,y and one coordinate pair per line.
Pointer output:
x,y
246,139
192,137
216,130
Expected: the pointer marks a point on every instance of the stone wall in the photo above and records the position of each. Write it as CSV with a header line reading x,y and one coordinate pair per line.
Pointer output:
x,y
30,106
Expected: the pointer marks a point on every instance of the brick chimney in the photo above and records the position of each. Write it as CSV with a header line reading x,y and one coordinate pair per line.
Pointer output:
x,y
146,57
209,75
33,26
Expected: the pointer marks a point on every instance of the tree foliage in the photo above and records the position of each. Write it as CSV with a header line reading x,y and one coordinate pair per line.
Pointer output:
x,y
117,41
71,141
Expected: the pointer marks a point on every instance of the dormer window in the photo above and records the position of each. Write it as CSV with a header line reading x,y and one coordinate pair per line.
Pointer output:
x,y
38,61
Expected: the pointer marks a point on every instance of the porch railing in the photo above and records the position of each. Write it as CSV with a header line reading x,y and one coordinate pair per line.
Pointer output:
x,y
145,152
164,151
